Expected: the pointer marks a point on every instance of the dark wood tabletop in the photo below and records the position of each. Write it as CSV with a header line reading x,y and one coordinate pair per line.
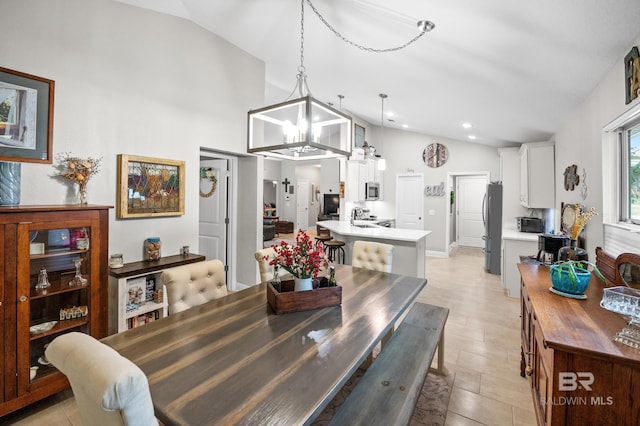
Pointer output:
x,y
233,361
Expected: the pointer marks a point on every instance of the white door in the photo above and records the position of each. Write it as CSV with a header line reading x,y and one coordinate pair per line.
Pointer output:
x,y
409,201
213,211
471,190
302,204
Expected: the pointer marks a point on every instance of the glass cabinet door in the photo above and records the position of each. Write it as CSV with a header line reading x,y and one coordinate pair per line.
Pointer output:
x,y
54,291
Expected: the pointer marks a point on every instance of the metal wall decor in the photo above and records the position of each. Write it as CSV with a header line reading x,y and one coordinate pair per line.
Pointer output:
x,y
571,177
434,190
435,155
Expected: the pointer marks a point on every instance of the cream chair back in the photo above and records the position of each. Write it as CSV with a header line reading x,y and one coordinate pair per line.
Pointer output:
x,y
372,255
266,270
108,388
194,284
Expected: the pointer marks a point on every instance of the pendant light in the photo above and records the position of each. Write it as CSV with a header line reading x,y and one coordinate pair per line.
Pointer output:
x,y
300,129
382,163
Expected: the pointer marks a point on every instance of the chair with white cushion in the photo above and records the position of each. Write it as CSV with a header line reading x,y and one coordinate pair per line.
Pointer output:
x,y
372,255
266,270
108,388
194,284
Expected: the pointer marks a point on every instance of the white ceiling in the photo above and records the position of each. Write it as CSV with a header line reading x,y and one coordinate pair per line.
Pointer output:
x,y
515,70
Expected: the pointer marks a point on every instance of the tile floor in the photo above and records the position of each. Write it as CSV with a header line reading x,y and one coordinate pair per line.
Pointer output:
x,y
482,348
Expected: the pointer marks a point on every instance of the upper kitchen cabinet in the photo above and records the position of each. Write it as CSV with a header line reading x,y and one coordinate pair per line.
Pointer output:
x,y
537,175
359,172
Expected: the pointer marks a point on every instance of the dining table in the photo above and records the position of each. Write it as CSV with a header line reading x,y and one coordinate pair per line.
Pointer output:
x,y
233,360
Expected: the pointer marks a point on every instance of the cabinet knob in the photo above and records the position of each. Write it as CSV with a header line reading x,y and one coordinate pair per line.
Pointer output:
x,y
23,298
528,370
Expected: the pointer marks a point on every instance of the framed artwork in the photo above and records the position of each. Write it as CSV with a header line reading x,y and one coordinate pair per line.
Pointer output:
x,y
149,187
358,135
26,117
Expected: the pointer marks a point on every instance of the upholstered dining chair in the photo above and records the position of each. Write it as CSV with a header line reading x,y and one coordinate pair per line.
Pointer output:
x,y
372,255
108,388
194,284
266,270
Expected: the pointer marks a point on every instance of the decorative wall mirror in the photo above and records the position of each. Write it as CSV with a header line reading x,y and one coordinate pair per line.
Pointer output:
x,y
567,217
628,270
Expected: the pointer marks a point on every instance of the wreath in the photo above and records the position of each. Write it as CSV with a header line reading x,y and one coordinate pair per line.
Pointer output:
x,y
207,173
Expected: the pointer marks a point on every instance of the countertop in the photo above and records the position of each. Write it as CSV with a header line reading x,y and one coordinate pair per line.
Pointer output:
x,y
514,234
397,234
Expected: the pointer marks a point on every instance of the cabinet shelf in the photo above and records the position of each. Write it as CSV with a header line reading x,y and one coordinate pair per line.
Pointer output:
x,y
58,253
61,326
144,309
56,288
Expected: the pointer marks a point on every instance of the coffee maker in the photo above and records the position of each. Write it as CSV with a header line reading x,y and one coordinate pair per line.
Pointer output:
x,y
548,246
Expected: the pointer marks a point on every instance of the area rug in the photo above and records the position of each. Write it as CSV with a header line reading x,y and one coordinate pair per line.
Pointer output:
x,y
430,410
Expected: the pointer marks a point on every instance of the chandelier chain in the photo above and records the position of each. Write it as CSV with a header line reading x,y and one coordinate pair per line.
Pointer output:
x,y
359,46
301,68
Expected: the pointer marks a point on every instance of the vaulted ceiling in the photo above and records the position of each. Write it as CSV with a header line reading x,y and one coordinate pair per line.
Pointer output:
x,y
514,70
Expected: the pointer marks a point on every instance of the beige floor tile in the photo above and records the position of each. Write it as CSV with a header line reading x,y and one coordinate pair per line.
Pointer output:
x,y
523,417
467,380
480,408
454,419
511,389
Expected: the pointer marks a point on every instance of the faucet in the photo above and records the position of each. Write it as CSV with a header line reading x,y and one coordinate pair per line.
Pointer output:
x,y
353,216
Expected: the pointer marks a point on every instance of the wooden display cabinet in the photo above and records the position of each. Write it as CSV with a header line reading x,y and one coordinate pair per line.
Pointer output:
x,y
579,375
69,243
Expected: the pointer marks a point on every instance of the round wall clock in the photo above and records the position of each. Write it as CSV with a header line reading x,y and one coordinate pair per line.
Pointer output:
x,y
435,155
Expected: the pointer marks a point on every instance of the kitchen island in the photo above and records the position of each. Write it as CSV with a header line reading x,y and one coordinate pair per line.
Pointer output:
x,y
408,244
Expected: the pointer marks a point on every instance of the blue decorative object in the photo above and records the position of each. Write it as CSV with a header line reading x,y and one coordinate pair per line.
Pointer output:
x,y
10,183
569,279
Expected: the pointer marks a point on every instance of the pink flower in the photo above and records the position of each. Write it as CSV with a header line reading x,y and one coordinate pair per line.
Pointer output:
x,y
304,260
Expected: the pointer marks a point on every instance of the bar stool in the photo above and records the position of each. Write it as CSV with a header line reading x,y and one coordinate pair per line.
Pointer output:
x,y
324,239
336,250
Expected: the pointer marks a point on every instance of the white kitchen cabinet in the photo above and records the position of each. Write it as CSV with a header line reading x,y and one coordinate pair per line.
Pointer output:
x,y
515,244
537,175
359,172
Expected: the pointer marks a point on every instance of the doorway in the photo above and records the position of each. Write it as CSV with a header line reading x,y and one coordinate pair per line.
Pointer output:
x,y
409,200
472,205
469,225
216,204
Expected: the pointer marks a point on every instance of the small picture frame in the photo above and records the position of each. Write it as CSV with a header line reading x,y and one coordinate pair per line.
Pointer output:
x,y
149,187
26,117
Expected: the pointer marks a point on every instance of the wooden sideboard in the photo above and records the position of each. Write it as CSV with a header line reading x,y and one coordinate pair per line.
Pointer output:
x,y
579,375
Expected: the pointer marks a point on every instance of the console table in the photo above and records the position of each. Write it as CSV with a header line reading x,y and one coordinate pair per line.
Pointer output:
x,y
579,375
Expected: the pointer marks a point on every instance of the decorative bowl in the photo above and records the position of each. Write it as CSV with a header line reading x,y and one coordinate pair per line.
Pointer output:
x,y
41,328
562,281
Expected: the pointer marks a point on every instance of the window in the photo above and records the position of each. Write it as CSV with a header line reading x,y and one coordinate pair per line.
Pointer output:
x,y
630,176
621,183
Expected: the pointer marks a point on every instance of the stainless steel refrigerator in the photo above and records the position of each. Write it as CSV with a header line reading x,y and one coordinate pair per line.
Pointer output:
x,y
492,218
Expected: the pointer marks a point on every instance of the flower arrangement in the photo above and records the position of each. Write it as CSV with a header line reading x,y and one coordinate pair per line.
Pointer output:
x,y
304,260
78,170
581,220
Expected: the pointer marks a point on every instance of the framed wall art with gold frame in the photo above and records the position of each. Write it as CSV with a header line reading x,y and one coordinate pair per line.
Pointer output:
x,y
149,187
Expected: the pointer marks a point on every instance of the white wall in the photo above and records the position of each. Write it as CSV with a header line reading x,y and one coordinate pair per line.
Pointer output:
x,y
403,151
130,81
579,141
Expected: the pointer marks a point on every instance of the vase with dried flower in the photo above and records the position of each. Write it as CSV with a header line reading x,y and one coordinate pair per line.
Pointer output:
x,y
573,251
78,170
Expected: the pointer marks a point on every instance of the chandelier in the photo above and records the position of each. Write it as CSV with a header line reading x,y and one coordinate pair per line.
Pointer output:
x,y
305,128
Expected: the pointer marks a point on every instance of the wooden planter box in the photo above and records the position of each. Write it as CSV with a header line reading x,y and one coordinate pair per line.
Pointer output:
x,y
288,301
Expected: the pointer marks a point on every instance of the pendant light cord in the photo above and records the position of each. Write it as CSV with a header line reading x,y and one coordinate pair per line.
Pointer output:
x,y
423,27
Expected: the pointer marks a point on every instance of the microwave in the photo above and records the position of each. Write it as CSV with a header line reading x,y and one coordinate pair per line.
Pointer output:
x,y
371,191
530,224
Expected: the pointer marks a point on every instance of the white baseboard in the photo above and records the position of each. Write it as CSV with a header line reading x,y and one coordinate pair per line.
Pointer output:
x,y
431,253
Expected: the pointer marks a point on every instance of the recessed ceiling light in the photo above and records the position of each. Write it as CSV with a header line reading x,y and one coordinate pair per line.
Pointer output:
x,y
390,114
472,137
466,125
405,126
